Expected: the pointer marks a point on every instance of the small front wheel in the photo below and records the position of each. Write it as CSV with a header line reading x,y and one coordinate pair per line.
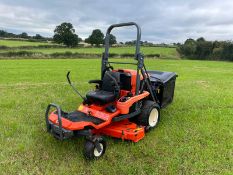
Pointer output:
x,y
94,149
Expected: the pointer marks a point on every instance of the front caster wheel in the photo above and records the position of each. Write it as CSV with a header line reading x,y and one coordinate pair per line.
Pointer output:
x,y
94,149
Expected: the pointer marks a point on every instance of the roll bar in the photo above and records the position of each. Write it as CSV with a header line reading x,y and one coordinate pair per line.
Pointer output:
x,y
138,56
122,25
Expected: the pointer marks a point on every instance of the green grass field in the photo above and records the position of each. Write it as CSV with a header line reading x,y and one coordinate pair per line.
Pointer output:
x,y
14,43
195,134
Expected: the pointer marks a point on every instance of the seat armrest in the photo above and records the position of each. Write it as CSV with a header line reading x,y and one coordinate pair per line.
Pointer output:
x,y
95,81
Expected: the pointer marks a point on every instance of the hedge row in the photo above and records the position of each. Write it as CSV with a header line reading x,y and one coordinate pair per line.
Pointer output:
x,y
31,47
206,50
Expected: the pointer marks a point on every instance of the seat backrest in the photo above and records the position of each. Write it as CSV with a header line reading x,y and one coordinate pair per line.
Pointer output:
x,y
108,83
125,80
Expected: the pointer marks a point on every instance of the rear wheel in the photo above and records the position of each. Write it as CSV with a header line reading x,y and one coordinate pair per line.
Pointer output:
x,y
94,149
150,115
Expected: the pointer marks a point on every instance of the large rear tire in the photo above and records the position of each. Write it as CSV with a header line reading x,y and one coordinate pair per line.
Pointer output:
x,y
150,114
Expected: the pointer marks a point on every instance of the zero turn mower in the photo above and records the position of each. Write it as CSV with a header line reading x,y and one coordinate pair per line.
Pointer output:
x,y
125,104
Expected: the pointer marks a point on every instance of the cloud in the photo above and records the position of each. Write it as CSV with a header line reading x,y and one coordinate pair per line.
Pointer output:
x,y
161,21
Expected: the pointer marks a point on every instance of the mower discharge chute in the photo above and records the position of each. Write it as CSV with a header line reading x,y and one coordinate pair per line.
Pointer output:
x,y
125,104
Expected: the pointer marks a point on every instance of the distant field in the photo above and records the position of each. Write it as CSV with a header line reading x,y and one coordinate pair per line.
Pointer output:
x,y
164,52
195,134
117,50
15,43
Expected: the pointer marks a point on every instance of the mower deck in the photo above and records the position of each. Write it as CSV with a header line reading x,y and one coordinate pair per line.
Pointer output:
x,y
125,130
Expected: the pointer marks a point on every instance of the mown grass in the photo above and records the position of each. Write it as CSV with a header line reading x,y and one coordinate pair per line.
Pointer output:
x,y
16,43
195,135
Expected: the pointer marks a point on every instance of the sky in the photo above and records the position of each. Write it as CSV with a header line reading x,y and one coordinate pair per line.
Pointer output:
x,y
161,21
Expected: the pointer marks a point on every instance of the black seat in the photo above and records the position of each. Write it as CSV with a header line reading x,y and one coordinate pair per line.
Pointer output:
x,y
100,96
108,91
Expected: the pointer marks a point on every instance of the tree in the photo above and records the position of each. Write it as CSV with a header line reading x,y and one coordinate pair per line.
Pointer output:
x,y
217,44
201,39
87,40
24,35
3,33
38,36
112,39
227,53
97,37
204,49
133,42
65,34
80,39
189,47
